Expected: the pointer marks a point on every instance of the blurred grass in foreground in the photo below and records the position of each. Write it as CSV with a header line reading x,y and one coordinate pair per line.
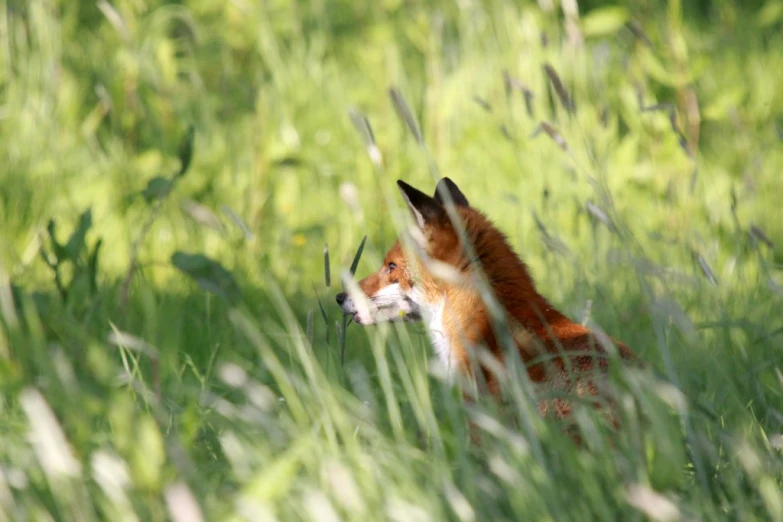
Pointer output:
x,y
647,204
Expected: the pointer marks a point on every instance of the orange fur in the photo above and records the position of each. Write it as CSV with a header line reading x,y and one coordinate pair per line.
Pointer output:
x,y
572,352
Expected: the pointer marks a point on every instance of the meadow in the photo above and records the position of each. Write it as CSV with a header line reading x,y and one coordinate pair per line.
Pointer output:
x,y
185,185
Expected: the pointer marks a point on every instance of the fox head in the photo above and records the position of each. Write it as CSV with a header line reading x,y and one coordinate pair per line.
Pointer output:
x,y
402,288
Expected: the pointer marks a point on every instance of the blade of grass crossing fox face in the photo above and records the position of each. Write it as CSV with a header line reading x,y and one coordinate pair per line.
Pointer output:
x,y
341,331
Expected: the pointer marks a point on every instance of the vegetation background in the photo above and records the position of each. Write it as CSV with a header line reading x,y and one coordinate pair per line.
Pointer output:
x,y
172,171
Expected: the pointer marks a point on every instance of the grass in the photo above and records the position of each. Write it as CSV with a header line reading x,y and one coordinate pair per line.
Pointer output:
x,y
639,179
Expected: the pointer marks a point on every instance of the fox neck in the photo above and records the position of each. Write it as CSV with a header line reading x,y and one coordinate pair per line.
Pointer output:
x,y
432,314
441,341
457,317
513,287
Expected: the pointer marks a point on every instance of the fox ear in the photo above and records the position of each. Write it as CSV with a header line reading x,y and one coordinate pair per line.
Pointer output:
x,y
425,209
446,186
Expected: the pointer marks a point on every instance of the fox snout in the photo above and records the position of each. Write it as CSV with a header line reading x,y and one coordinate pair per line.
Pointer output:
x,y
389,303
349,308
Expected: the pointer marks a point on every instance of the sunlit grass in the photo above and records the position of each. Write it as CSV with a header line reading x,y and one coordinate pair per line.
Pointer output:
x,y
226,386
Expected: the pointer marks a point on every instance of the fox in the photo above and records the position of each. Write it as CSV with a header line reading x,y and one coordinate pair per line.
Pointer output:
x,y
434,280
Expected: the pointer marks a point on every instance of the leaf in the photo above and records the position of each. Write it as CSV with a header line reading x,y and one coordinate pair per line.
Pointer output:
x,y
208,274
289,161
59,251
186,151
75,243
358,256
157,188
603,21
327,272
92,266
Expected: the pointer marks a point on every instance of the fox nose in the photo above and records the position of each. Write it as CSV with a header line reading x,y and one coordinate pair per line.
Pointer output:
x,y
340,298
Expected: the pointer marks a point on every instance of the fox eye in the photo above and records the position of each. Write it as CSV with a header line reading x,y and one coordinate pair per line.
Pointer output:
x,y
392,266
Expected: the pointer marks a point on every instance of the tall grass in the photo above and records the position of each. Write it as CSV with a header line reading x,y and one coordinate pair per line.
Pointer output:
x,y
193,366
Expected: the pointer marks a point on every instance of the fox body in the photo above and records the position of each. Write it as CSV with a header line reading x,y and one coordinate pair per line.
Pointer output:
x,y
438,284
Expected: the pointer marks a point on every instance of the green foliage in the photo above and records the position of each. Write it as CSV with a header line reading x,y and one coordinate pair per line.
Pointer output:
x,y
73,255
632,153
209,274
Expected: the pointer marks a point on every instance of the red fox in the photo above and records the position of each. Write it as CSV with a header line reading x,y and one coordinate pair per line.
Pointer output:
x,y
558,353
